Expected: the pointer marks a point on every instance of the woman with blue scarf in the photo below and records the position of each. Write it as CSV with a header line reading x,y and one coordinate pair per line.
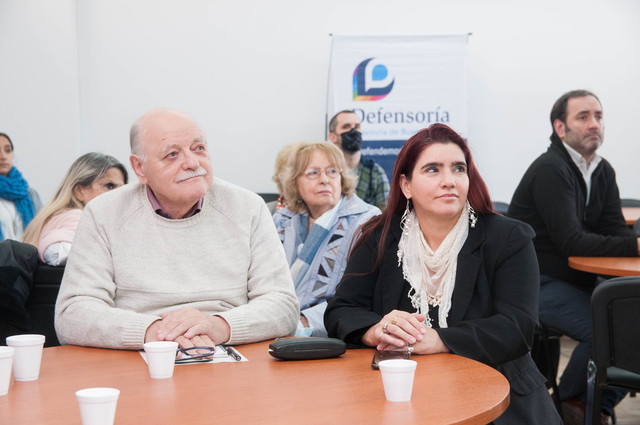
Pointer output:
x,y
317,226
18,202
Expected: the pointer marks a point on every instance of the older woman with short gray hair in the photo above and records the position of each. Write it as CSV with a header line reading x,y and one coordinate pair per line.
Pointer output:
x,y
317,226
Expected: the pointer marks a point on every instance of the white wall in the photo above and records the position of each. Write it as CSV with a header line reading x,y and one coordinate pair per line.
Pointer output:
x,y
39,88
75,74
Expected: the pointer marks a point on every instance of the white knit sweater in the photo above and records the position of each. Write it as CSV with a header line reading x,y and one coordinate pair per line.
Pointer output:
x,y
129,265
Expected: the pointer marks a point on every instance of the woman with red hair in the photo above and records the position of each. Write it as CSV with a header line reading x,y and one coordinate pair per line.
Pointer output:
x,y
440,272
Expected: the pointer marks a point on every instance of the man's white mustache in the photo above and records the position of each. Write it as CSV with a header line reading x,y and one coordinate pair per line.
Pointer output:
x,y
188,174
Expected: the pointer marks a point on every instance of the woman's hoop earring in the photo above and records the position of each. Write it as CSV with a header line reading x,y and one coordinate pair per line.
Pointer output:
x,y
473,216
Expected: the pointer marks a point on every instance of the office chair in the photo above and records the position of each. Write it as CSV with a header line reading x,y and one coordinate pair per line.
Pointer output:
x,y
501,207
546,355
18,262
268,197
629,202
636,227
615,309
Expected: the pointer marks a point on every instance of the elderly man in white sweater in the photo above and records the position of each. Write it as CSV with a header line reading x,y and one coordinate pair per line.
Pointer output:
x,y
180,256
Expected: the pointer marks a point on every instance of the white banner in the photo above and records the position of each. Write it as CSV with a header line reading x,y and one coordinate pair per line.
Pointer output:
x,y
398,85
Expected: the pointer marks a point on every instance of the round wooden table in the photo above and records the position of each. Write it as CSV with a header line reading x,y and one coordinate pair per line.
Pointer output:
x,y
448,389
609,266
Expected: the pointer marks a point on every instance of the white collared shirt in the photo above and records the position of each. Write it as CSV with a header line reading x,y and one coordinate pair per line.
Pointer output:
x,y
10,220
585,168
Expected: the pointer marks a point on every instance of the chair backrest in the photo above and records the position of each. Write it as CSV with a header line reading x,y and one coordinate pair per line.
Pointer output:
x,y
18,262
636,227
501,207
41,304
630,202
615,308
268,197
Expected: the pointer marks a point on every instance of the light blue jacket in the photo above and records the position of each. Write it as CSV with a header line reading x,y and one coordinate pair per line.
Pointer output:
x,y
325,271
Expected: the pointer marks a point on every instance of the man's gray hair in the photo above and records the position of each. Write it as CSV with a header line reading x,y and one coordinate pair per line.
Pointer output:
x,y
140,127
135,142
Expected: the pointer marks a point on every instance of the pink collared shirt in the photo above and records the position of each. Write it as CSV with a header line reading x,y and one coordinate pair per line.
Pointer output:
x,y
195,209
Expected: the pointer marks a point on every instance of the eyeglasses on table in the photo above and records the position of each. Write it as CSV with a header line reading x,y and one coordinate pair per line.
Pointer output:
x,y
194,355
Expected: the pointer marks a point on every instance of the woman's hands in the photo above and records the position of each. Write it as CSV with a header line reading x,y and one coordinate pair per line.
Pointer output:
x,y
400,329
396,330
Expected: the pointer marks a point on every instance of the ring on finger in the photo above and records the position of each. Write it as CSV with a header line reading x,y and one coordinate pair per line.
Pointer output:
x,y
384,328
394,320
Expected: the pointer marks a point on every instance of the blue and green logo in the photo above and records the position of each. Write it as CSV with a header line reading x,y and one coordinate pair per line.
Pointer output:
x,y
371,81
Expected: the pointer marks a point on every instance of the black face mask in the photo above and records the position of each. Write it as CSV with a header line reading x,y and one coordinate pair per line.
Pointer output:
x,y
351,140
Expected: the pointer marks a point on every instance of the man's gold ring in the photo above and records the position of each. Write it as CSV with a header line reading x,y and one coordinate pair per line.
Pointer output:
x,y
384,328
394,320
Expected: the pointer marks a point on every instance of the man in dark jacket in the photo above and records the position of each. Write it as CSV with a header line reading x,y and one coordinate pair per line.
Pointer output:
x,y
570,197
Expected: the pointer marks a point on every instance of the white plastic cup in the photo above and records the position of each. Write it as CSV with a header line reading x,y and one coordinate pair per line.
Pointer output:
x,y
97,405
26,362
397,378
161,358
6,361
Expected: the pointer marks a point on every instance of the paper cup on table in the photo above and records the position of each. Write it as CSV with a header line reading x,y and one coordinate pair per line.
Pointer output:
x,y
97,405
397,378
161,358
6,361
26,362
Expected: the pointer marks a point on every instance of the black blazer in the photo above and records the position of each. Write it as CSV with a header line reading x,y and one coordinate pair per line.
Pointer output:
x,y
494,309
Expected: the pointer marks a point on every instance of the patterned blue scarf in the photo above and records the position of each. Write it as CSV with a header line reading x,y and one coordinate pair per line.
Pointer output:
x,y
317,234
16,189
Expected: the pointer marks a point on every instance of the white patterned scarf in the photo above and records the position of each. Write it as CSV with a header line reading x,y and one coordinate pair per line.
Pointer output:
x,y
431,274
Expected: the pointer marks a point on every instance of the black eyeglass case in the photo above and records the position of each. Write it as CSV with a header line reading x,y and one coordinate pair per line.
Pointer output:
x,y
308,348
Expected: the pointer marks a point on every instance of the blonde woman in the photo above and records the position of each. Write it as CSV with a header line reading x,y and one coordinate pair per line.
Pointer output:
x,y
281,162
52,230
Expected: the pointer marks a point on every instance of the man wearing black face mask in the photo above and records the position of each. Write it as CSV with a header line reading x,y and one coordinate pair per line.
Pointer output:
x,y
373,184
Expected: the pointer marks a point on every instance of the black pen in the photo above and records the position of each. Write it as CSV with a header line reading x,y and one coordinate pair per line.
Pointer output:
x,y
233,353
